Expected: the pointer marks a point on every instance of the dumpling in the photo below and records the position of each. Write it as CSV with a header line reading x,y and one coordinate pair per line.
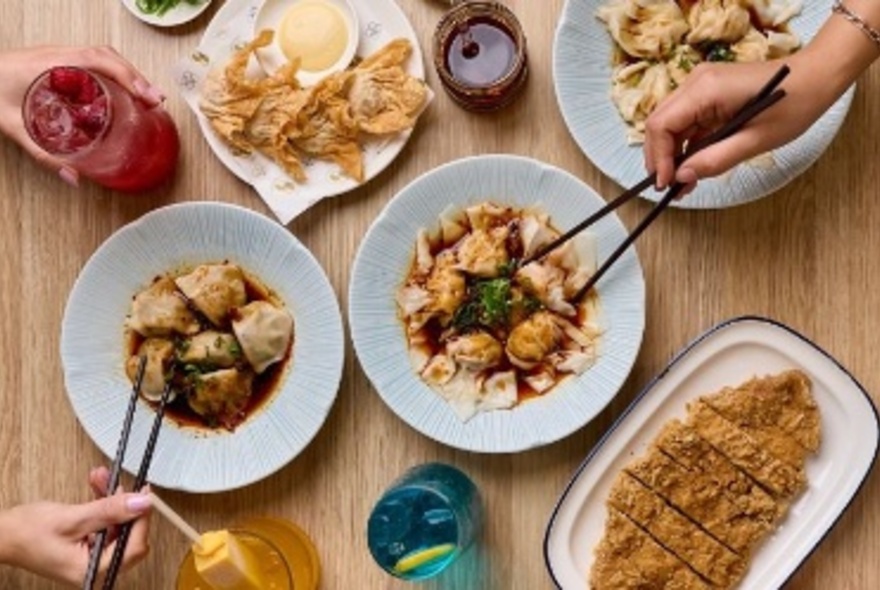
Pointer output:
x,y
772,13
160,354
160,311
214,289
718,20
485,216
535,233
751,48
447,286
781,44
475,351
532,340
217,349
647,29
221,395
264,333
683,60
636,90
483,253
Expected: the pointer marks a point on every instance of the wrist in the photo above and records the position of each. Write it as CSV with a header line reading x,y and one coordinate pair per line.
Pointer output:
x,y
6,539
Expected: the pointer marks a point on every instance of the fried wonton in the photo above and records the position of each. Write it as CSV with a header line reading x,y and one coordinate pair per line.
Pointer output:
x,y
383,97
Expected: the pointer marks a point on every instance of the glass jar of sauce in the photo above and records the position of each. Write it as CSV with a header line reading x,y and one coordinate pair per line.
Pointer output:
x,y
480,55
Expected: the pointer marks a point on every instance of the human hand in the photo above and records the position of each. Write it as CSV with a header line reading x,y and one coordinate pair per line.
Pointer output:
x,y
19,67
709,97
54,540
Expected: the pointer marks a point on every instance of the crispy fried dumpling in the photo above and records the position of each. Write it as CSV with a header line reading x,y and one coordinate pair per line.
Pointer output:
x,y
483,253
221,395
160,354
264,333
214,289
475,351
647,29
217,349
159,310
383,97
718,20
532,340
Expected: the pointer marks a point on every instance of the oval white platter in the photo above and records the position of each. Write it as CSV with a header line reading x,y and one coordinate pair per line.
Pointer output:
x,y
383,261
582,77
93,355
728,355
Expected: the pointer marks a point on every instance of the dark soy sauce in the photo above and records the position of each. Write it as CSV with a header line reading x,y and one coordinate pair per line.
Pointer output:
x,y
481,53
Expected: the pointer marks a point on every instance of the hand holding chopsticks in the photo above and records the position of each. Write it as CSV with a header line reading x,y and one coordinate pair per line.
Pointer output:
x,y
767,97
140,481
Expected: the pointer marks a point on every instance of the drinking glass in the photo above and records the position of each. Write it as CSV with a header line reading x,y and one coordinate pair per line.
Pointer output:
x,y
424,521
285,552
99,129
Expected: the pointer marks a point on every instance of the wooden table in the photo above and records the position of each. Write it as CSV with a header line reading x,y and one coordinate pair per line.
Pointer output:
x,y
807,256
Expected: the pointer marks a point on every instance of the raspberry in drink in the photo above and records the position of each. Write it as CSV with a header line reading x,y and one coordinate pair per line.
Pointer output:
x,y
98,128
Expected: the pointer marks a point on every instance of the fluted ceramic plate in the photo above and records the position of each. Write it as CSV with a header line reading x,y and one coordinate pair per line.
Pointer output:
x,y
383,261
727,355
184,12
582,76
93,358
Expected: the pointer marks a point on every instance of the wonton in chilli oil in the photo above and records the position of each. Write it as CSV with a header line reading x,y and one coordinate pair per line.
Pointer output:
x,y
485,333
217,334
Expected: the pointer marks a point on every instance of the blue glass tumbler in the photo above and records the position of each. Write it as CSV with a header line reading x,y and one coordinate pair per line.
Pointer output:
x,y
424,521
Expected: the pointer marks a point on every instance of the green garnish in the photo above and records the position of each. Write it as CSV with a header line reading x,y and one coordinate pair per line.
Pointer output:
x,y
487,304
235,348
685,63
160,7
719,52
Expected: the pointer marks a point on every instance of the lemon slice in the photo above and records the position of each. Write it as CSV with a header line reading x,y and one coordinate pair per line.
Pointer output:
x,y
419,558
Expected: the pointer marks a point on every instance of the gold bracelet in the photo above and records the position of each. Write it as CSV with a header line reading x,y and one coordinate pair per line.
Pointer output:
x,y
858,21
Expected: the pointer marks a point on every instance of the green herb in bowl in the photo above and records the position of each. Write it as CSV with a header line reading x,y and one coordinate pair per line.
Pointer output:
x,y
160,7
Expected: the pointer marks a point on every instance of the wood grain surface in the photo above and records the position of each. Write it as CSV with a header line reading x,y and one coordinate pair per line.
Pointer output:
x,y
808,256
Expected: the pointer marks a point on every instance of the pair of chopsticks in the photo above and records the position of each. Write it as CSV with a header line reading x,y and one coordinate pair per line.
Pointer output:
x,y
139,482
767,97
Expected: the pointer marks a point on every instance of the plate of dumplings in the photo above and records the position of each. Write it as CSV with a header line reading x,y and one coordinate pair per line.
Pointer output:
x,y
614,61
203,297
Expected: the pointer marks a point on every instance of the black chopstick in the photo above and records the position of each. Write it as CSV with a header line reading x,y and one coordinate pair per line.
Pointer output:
x,y
746,113
139,482
115,471
753,110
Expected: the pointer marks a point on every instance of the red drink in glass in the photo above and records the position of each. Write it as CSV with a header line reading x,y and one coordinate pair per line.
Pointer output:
x,y
99,129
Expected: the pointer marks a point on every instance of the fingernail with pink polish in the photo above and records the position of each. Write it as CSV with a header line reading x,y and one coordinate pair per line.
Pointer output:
x,y
70,176
137,503
148,92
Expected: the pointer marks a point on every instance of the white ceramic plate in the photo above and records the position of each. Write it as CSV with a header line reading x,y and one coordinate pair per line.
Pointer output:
x,y
93,357
383,261
380,22
582,76
182,13
729,354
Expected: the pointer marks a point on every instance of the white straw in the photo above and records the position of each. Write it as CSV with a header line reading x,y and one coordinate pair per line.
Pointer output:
x,y
175,519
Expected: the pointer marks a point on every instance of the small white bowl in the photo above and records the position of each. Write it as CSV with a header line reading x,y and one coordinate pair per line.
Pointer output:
x,y
180,14
272,58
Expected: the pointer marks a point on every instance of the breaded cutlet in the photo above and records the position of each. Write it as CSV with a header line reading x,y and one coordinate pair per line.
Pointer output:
x,y
676,532
628,558
689,449
700,499
777,411
782,479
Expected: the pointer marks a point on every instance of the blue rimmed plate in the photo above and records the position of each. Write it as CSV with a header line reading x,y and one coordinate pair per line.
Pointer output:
x,y
728,355
93,356
383,261
582,77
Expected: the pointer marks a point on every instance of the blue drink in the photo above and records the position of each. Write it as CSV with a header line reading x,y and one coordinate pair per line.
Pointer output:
x,y
424,521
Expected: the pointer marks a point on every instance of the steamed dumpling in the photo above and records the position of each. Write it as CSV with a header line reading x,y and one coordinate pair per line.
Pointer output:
x,y
160,354
264,333
221,395
476,351
636,90
773,13
483,252
647,29
683,60
215,290
781,44
751,48
160,311
532,340
217,349
718,20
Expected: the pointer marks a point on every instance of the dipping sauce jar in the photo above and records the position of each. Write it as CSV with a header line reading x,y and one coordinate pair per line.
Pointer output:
x,y
480,55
